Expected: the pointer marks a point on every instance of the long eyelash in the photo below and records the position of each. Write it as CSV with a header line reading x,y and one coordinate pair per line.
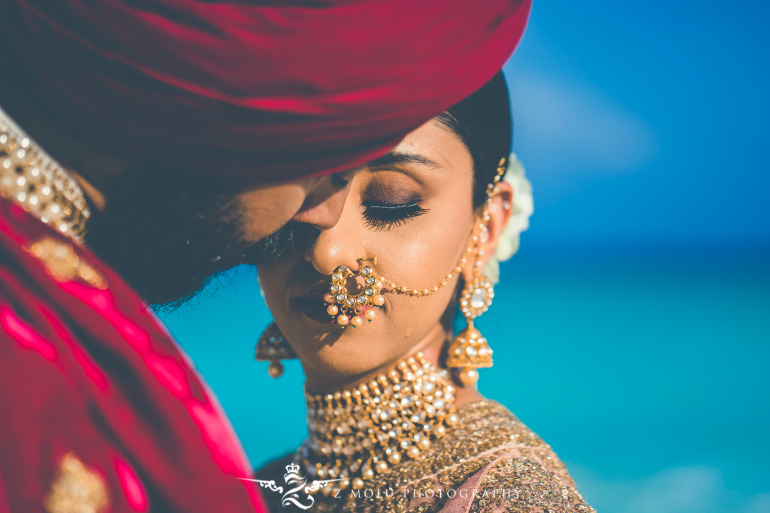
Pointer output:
x,y
384,217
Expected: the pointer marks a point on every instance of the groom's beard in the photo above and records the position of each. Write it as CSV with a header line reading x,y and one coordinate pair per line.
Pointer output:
x,y
169,244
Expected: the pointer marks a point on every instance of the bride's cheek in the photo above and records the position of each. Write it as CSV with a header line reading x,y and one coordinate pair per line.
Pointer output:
x,y
423,261
273,284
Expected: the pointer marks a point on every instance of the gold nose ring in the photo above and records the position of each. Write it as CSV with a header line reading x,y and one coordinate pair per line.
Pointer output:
x,y
347,308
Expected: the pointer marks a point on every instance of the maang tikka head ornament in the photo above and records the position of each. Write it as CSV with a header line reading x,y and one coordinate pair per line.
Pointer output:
x,y
469,350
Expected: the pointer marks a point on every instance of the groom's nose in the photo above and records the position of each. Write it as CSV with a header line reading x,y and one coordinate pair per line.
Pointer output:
x,y
325,214
323,209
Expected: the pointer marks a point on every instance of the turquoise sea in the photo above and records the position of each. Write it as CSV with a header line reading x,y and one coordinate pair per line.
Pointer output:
x,y
646,370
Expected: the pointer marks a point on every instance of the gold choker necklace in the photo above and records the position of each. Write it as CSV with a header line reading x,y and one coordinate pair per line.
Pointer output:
x,y
34,180
357,433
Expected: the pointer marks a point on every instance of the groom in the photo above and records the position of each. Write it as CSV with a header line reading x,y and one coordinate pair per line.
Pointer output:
x,y
149,147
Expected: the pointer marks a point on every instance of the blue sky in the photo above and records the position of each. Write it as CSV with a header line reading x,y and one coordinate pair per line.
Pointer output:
x,y
646,123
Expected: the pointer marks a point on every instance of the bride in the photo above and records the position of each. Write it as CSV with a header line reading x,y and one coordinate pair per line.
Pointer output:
x,y
394,417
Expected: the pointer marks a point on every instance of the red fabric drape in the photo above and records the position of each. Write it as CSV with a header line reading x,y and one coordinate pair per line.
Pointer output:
x,y
253,91
93,373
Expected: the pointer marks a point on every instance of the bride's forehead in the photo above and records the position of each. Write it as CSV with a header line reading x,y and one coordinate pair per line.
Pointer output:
x,y
438,143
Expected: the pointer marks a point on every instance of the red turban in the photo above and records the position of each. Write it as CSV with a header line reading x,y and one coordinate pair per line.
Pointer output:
x,y
253,91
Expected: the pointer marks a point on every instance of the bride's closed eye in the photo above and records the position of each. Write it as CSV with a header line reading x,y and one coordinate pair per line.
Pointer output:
x,y
384,216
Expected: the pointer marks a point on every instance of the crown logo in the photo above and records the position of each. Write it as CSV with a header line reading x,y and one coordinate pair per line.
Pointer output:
x,y
292,471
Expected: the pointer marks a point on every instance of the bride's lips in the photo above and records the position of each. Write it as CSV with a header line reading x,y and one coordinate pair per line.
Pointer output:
x,y
312,305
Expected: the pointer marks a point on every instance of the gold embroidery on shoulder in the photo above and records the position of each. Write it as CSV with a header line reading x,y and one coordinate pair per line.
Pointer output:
x,y
76,489
521,485
38,183
62,262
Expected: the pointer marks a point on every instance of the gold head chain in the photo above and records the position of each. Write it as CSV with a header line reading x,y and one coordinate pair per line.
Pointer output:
x,y
348,309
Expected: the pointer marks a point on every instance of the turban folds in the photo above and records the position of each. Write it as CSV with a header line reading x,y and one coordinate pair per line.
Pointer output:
x,y
254,91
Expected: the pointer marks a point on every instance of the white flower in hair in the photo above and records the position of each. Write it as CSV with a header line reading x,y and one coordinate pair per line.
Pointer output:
x,y
523,207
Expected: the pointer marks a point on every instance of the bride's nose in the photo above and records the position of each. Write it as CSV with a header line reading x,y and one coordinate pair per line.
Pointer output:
x,y
335,247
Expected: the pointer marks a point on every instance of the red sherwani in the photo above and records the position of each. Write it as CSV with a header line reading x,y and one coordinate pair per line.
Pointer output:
x,y
97,400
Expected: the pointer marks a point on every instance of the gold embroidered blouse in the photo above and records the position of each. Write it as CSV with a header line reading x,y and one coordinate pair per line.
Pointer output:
x,y
487,462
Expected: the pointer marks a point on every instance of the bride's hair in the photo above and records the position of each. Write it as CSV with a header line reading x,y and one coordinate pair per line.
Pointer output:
x,y
483,122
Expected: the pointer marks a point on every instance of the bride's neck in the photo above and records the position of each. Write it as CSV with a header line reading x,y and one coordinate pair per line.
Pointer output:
x,y
430,347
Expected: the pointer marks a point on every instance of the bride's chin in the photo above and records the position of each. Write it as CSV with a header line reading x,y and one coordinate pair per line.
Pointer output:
x,y
348,358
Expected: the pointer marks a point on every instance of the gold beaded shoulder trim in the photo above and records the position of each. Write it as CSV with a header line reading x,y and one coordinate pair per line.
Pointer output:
x,y
37,182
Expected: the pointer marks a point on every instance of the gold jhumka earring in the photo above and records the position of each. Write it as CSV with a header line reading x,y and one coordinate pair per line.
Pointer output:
x,y
272,347
469,350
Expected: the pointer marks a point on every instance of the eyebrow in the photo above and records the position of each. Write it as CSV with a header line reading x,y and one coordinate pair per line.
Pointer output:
x,y
394,159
